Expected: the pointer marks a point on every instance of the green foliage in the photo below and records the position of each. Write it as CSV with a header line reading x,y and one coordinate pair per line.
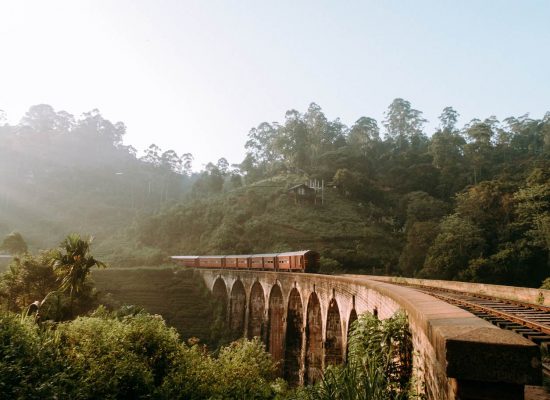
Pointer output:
x,y
496,235
243,370
458,241
404,124
379,364
264,218
74,261
420,236
14,244
534,207
330,266
28,279
55,281
20,367
63,173
135,355
387,200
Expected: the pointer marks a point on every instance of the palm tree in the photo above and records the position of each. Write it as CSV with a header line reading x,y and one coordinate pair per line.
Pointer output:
x,y
74,261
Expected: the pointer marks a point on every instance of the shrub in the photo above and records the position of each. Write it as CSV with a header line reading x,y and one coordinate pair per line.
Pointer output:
x,y
379,364
127,354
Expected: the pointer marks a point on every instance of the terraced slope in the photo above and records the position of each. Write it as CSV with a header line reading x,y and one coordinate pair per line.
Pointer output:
x,y
178,295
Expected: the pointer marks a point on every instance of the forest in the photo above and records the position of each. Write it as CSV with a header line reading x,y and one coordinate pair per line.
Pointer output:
x,y
465,202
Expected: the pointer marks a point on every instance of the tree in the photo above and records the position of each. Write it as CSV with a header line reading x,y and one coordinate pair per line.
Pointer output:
x,y
223,166
73,261
420,207
364,133
420,236
447,150
170,161
546,133
480,146
533,208
448,119
40,118
490,205
93,124
404,124
152,155
459,241
187,160
28,278
14,244
294,143
317,130
262,144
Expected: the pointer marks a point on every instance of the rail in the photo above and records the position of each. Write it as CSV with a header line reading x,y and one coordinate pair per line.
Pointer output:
x,y
531,321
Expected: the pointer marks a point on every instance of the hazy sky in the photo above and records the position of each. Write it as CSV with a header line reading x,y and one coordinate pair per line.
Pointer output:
x,y
195,76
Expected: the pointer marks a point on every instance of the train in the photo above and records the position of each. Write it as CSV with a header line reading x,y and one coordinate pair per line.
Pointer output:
x,y
294,261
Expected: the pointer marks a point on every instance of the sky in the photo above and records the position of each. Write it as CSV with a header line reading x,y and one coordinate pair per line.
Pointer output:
x,y
196,76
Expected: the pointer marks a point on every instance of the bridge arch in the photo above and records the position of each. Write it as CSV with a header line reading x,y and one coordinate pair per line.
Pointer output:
x,y
256,313
293,338
314,341
352,318
275,322
333,342
219,309
237,309
219,289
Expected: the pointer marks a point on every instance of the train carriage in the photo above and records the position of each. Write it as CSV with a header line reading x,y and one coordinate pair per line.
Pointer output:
x,y
240,261
299,261
295,261
212,262
187,261
263,261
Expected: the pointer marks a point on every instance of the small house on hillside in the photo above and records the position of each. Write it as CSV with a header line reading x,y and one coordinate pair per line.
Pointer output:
x,y
302,193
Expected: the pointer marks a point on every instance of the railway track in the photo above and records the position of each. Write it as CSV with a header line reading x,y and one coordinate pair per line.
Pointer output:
x,y
532,321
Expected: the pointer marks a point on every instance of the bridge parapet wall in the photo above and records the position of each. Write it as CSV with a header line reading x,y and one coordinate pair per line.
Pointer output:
x,y
456,355
523,294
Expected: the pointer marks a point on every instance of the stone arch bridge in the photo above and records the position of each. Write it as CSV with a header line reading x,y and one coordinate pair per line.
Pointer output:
x,y
304,320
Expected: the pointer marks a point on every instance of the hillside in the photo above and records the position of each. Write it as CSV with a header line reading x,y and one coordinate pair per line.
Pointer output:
x,y
469,203
60,174
264,217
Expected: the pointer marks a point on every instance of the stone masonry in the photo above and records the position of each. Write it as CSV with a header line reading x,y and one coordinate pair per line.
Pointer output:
x,y
304,320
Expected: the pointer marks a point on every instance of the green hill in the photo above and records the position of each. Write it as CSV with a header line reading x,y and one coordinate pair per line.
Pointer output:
x,y
469,203
265,217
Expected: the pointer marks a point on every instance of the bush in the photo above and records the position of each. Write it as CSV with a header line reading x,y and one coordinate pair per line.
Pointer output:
x,y
379,365
19,354
243,370
130,354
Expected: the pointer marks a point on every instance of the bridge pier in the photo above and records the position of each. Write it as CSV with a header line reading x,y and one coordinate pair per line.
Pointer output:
x,y
314,341
304,320
293,371
256,312
333,343
237,310
275,323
